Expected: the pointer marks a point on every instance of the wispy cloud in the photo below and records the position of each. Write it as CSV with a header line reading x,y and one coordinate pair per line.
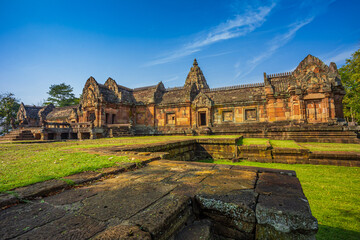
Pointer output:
x,y
217,54
171,79
340,57
275,43
313,7
240,25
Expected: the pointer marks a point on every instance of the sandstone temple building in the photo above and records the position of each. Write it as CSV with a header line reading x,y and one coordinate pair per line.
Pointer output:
x,y
302,104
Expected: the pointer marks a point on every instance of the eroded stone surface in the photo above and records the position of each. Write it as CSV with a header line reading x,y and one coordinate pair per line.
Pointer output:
x,y
71,196
274,183
199,230
7,199
24,217
286,213
121,232
84,177
163,217
157,201
68,227
227,180
124,202
40,189
239,204
270,233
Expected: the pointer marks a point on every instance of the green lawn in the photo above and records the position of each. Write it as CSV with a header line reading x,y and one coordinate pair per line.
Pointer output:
x,y
24,164
284,144
345,147
333,193
254,141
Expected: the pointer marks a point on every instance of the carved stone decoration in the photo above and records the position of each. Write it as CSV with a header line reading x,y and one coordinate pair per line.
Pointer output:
x,y
45,111
91,93
21,114
250,114
196,76
202,101
312,75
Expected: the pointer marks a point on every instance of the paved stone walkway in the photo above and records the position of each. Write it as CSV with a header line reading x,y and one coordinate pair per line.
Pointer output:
x,y
170,199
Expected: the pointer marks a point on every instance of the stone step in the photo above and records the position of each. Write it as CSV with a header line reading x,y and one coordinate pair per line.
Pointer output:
x,y
17,135
197,230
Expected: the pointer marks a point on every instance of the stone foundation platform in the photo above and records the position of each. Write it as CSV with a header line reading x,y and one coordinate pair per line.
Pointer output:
x,y
170,200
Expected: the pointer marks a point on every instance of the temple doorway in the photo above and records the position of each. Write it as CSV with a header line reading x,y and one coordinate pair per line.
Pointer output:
x,y
313,111
202,119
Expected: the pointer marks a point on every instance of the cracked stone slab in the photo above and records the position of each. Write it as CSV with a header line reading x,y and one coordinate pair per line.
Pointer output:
x,y
243,226
228,233
272,183
40,189
24,217
68,227
71,196
268,232
286,214
124,202
239,205
7,199
83,177
164,217
121,232
228,180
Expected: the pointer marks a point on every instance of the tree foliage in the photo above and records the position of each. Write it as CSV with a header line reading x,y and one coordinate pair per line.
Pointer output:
x,y
9,107
350,76
61,95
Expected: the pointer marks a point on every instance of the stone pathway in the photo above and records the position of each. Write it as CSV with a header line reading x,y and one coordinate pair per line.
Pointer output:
x,y
170,199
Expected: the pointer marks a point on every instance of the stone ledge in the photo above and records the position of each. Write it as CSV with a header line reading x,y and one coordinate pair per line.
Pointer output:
x,y
156,202
49,187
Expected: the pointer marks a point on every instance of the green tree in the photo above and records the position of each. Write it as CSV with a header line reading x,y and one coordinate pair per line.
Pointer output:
x,y
9,107
350,76
61,95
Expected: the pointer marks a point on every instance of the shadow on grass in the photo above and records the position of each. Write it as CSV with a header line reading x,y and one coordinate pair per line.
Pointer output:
x,y
327,232
206,160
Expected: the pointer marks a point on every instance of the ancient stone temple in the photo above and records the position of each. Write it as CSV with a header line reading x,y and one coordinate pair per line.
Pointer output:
x,y
293,105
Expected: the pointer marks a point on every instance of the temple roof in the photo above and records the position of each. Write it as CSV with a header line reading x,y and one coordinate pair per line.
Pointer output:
x,y
61,113
196,77
232,95
174,96
32,111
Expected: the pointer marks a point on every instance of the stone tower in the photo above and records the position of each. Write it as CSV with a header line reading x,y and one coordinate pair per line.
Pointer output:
x,y
196,77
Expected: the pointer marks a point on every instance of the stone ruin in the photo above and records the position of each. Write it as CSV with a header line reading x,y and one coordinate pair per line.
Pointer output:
x,y
303,105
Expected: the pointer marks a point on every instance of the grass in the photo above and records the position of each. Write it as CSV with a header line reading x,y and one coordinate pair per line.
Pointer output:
x,y
344,147
25,164
333,193
254,141
284,144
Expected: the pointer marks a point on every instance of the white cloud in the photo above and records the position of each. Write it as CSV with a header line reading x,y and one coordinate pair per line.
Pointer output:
x,y
233,28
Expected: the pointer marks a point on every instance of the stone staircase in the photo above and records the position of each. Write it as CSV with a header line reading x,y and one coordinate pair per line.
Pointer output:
x,y
18,135
120,132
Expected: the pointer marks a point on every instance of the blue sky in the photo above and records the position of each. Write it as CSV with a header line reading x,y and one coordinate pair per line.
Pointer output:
x,y
139,43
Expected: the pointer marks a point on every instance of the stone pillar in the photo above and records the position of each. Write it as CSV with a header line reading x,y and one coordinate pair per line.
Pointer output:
x,y
44,136
79,136
92,133
57,136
